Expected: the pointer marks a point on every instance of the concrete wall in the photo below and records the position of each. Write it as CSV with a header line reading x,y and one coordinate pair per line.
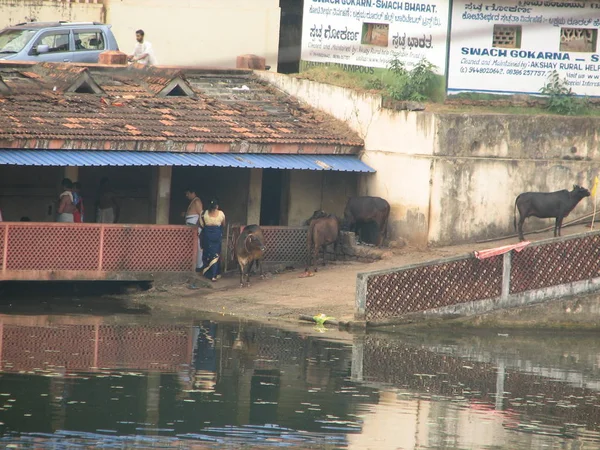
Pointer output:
x,y
454,178
133,188
311,190
34,191
484,161
29,192
13,12
199,32
228,185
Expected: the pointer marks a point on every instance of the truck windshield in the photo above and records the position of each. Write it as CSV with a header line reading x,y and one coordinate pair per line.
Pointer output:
x,y
13,41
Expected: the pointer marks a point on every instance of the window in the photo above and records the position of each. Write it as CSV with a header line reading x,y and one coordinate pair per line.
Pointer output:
x,y
56,42
375,34
89,40
13,41
578,40
507,36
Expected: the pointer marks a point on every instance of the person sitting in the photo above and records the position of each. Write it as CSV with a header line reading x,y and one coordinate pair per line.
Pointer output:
x,y
213,222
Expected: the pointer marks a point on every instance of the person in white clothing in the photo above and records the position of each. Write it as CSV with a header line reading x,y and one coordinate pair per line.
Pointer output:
x,y
143,53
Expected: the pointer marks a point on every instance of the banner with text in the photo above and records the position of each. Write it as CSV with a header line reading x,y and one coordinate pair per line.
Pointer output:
x,y
371,33
511,46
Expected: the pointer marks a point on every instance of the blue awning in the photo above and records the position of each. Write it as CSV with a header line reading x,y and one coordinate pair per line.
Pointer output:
x,y
82,158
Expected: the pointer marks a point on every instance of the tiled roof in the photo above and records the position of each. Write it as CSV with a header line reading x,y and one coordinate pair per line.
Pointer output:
x,y
160,110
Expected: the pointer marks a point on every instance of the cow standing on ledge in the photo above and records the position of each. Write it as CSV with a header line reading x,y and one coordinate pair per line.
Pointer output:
x,y
250,248
546,205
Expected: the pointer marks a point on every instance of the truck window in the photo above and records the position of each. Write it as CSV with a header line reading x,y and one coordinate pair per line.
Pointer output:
x,y
56,42
89,40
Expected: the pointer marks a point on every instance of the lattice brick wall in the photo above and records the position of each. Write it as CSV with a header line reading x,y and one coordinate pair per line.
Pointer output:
x,y
432,286
87,248
2,235
552,264
56,247
285,244
151,249
282,244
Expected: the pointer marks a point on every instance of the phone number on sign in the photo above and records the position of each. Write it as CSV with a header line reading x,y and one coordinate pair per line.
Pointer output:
x,y
527,73
488,70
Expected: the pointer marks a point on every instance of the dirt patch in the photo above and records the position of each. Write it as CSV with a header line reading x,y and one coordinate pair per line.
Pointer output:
x,y
286,295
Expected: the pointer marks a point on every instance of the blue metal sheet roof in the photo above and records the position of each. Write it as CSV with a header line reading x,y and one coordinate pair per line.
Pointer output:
x,y
81,158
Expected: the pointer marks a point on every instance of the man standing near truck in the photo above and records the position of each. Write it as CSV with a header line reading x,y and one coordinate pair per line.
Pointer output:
x,y
143,53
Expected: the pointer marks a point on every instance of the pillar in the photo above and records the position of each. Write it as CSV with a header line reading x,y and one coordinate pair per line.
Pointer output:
x,y
163,195
254,197
72,173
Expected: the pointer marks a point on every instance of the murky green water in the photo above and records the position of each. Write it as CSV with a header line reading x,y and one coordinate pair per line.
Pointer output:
x,y
90,382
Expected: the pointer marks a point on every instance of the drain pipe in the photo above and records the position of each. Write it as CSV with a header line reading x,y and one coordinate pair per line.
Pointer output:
x,y
543,230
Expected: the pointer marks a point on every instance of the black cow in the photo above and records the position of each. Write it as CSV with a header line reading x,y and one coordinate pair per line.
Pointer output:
x,y
249,248
367,209
322,232
546,205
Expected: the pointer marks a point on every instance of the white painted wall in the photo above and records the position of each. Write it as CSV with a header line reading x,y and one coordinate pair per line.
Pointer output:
x,y
453,178
206,33
13,12
399,145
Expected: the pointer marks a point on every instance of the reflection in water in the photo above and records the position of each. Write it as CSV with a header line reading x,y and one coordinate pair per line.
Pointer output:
x,y
92,383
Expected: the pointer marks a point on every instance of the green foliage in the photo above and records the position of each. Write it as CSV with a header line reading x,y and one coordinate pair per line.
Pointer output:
x,y
419,84
415,85
560,97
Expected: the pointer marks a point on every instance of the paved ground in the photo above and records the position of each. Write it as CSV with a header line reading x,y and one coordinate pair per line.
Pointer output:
x,y
285,296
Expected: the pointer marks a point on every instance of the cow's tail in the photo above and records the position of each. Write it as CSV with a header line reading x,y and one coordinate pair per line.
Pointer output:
x,y
515,213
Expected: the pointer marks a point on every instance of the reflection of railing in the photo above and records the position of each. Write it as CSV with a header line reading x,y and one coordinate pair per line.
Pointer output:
x,y
43,251
284,246
418,370
467,285
76,348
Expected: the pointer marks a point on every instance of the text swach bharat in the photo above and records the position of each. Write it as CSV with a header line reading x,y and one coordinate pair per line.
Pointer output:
x,y
384,4
522,54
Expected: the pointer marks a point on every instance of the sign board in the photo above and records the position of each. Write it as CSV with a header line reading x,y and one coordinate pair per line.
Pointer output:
x,y
371,33
511,46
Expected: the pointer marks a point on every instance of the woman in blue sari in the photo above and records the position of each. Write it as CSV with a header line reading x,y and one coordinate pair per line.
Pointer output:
x,y
213,221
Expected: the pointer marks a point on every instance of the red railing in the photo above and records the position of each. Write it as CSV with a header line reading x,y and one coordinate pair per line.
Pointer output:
x,y
67,251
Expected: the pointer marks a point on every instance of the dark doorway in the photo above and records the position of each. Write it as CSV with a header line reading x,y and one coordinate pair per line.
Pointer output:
x,y
271,202
290,36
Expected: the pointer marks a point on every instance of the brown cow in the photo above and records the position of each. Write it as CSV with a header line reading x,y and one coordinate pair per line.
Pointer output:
x,y
322,232
367,209
249,248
